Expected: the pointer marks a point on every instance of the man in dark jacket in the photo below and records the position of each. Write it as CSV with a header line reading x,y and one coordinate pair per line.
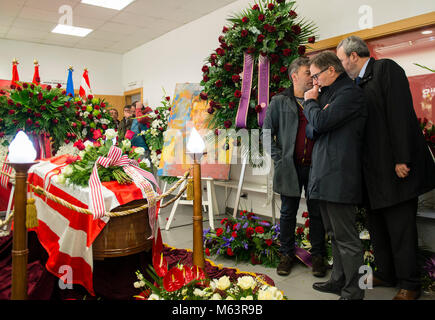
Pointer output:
x,y
397,166
338,115
291,152
125,123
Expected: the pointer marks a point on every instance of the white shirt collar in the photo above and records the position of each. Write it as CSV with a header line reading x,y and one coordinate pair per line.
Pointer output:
x,y
363,69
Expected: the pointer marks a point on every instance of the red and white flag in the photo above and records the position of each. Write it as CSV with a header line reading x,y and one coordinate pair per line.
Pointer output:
x,y
4,178
85,87
67,235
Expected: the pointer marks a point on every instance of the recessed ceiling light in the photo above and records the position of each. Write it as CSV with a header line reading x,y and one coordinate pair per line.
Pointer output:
x,y
426,32
71,30
111,4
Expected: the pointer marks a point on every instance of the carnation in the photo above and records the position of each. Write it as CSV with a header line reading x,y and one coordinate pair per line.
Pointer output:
x,y
111,134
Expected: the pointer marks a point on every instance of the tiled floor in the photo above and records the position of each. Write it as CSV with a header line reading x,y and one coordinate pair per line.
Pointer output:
x,y
296,286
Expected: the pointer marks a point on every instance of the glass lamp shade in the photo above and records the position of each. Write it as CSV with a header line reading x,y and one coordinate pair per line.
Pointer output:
x,y
21,149
195,144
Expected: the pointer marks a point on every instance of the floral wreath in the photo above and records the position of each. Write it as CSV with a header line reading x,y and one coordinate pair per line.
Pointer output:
x,y
271,35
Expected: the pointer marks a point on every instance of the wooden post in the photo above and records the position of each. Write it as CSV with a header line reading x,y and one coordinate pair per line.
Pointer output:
x,y
198,245
20,251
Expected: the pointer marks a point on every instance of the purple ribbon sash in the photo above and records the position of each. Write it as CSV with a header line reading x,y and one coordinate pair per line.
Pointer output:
x,y
263,87
304,256
242,112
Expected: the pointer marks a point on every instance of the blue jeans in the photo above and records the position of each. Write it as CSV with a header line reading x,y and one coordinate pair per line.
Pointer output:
x,y
289,210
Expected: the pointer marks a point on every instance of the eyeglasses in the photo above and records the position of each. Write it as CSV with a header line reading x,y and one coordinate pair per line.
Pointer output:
x,y
316,76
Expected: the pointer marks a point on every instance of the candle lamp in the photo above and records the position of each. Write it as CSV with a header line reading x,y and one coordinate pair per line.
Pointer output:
x,y
21,157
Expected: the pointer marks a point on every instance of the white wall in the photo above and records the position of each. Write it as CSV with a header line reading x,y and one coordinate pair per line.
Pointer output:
x,y
104,68
178,56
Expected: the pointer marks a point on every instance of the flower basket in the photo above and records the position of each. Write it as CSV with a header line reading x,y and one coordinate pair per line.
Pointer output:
x,y
246,238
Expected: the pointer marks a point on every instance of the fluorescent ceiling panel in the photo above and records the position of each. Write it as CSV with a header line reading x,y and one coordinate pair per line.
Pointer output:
x,y
111,4
71,30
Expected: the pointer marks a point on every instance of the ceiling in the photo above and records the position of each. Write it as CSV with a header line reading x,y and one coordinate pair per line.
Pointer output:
x,y
114,31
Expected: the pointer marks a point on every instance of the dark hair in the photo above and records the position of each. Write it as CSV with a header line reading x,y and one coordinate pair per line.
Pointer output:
x,y
354,44
127,106
327,59
134,104
297,63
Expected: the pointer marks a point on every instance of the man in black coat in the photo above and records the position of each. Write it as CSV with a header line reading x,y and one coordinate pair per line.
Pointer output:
x,y
397,166
338,116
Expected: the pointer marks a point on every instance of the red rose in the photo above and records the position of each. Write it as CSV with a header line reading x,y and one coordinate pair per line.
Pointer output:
x,y
271,29
227,124
276,78
270,6
83,123
205,69
90,97
301,50
283,69
59,86
220,51
258,108
261,17
305,214
224,220
48,88
213,57
237,93
245,20
300,230
29,122
260,38
287,52
311,39
292,14
2,92
218,83
219,231
244,33
60,108
228,66
158,151
210,110
269,242
255,7
225,29
230,252
259,229
249,232
205,78
207,251
234,234
235,78
203,95
307,223
231,105
296,29
79,145
37,124
55,121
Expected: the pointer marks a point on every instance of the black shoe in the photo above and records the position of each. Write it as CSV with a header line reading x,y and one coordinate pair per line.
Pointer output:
x,y
285,265
319,266
328,287
343,298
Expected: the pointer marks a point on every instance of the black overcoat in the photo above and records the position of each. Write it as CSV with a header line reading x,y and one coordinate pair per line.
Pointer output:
x,y
393,136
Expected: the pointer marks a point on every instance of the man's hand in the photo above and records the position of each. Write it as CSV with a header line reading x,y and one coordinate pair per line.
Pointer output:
x,y
402,170
312,93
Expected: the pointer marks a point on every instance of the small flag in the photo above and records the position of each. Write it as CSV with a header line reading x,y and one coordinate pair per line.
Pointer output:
x,y
15,76
36,78
85,87
69,83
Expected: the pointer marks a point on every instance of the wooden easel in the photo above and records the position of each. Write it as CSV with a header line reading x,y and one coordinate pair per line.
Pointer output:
x,y
210,202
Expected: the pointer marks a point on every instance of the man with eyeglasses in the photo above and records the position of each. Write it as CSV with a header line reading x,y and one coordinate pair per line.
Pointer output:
x,y
338,115
398,166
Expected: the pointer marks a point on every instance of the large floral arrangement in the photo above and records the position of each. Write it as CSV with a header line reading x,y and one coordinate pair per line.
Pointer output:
x,y
38,111
91,114
269,28
245,238
80,167
190,283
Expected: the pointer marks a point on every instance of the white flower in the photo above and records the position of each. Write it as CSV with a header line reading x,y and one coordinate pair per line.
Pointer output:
x,y
140,151
198,292
137,284
216,296
147,162
223,283
246,282
126,144
110,134
85,114
60,179
88,145
229,298
68,170
364,235
153,296
247,298
82,153
270,293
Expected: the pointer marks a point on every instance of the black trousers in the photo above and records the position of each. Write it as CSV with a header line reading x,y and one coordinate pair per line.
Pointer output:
x,y
288,212
393,233
347,248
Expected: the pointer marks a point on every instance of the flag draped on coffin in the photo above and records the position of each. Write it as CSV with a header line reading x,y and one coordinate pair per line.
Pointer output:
x,y
67,235
69,83
85,87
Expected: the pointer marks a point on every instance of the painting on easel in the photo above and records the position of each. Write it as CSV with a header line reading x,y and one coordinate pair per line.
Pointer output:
x,y
188,110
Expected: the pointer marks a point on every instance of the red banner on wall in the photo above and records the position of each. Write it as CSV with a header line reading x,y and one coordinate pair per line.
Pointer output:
x,y
423,91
